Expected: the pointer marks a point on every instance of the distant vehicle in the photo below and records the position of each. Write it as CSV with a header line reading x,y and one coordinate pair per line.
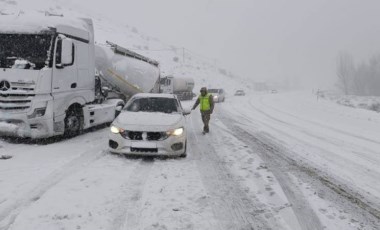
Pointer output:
x,y
180,86
273,91
218,94
239,92
150,124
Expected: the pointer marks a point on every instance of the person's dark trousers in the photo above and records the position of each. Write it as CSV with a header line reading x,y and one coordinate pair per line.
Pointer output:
x,y
206,119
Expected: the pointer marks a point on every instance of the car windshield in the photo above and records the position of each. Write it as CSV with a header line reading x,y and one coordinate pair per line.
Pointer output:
x,y
213,90
24,51
153,104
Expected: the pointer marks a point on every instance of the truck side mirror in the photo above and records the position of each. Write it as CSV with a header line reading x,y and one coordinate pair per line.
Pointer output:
x,y
67,56
65,52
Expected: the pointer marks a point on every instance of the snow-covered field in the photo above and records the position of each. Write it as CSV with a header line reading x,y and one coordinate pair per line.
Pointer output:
x,y
287,160
362,102
276,161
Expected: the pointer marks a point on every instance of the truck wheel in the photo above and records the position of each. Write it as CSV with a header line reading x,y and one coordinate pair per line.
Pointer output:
x,y
73,123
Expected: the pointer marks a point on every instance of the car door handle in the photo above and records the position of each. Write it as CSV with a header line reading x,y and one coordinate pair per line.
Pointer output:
x,y
74,85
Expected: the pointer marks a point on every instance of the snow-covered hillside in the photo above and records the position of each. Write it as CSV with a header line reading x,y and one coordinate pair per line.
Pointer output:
x,y
177,61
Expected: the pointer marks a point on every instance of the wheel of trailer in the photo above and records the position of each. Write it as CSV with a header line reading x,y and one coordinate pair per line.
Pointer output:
x,y
73,122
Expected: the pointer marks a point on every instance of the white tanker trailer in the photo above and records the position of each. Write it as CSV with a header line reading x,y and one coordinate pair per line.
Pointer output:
x,y
180,86
126,72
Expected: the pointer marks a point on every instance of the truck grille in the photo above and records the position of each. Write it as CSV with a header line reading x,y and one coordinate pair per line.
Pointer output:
x,y
150,136
24,86
15,102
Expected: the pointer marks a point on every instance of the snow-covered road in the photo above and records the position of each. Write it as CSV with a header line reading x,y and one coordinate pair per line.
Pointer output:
x,y
271,161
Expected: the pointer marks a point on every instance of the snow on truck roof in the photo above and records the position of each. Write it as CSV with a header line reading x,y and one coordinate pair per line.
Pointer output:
x,y
39,22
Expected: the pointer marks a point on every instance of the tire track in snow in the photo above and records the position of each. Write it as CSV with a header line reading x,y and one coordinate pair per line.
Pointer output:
x,y
275,157
333,144
232,208
326,139
9,213
337,183
316,123
307,218
128,213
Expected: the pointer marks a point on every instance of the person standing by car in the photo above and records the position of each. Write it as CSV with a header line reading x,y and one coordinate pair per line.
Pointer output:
x,y
206,102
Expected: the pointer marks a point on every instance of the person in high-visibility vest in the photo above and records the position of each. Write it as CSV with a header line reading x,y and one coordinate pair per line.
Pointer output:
x,y
206,104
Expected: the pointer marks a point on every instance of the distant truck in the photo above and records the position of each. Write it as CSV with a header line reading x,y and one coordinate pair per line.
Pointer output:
x,y
48,80
180,86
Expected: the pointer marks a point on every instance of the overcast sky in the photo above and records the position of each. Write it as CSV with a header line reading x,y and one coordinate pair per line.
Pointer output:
x,y
259,38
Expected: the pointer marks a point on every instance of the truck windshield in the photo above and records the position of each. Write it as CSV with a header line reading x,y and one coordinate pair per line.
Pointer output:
x,y
24,51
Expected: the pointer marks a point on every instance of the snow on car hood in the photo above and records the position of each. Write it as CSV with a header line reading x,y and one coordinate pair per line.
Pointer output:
x,y
147,121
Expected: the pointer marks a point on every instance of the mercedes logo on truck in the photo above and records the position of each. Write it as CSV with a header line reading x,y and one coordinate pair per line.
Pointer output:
x,y
4,85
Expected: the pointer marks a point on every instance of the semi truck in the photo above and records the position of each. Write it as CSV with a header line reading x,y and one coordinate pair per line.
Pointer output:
x,y
54,80
180,86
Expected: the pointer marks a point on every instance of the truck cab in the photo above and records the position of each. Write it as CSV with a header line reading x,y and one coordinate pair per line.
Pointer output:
x,y
47,70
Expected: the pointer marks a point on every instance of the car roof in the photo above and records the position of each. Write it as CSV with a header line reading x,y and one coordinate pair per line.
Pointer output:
x,y
161,95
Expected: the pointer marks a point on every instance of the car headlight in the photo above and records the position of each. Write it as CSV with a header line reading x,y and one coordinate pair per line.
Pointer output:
x,y
175,132
115,129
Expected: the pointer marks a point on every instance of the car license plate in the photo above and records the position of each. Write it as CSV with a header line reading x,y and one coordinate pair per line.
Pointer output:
x,y
143,144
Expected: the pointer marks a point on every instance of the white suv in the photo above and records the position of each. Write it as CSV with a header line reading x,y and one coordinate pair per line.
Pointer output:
x,y
218,94
150,124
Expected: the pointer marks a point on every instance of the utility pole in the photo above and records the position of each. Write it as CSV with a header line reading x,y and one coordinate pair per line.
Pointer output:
x,y
183,55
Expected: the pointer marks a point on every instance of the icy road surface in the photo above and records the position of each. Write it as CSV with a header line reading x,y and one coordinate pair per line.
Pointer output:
x,y
271,161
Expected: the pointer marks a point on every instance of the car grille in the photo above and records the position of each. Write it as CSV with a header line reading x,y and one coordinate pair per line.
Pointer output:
x,y
133,135
138,135
155,136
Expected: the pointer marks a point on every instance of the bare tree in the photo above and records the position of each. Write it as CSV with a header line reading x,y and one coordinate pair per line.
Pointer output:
x,y
374,76
345,72
360,80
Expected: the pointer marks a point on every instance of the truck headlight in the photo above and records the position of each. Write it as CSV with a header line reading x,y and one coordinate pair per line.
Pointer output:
x,y
38,112
175,132
116,130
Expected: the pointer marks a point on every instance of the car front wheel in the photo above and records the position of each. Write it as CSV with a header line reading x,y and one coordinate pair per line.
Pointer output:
x,y
184,154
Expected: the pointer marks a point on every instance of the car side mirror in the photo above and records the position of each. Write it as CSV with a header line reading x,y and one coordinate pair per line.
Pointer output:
x,y
186,112
119,108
